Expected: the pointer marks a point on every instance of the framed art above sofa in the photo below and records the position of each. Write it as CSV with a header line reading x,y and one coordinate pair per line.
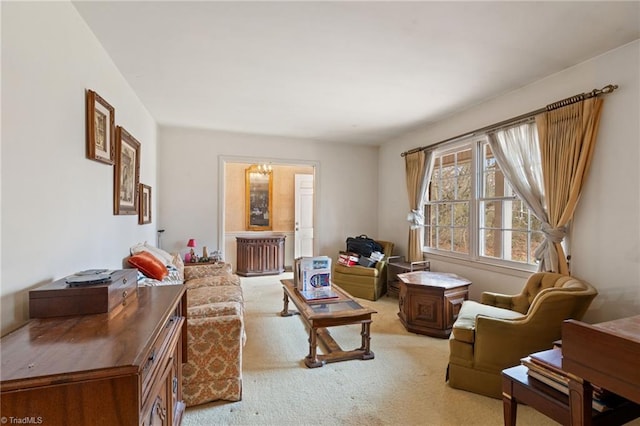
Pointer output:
x,y
126,176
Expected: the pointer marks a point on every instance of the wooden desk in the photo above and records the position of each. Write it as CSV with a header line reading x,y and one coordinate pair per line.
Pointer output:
x,y
519,388
606,354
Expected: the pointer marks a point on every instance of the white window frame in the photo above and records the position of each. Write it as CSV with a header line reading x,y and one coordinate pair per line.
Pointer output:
x,y
473,143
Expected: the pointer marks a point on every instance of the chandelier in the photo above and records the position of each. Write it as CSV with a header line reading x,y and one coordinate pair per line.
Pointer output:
x,y
264,168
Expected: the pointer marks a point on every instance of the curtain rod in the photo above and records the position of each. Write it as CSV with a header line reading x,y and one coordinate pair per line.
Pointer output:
x,y
524,117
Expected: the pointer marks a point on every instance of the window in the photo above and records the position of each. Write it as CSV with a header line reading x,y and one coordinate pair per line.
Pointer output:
x,y
472,211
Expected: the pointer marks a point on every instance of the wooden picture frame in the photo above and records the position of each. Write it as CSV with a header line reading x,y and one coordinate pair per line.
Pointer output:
x,y
100,129
126,176
258,199
144,208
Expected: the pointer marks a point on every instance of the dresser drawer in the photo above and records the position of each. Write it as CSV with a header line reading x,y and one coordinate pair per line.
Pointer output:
x,y
160,355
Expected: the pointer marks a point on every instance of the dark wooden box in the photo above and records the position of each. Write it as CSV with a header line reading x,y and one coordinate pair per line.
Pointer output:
x,y
58,299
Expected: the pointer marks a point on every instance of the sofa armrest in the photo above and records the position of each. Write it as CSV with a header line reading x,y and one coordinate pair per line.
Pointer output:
x,y
213,281
214,348
206,270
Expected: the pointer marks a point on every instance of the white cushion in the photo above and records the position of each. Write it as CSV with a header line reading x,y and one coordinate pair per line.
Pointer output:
x,y
161,255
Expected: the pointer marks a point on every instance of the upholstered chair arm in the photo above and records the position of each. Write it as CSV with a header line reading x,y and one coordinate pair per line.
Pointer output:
x,y
504,301
380,266
503,342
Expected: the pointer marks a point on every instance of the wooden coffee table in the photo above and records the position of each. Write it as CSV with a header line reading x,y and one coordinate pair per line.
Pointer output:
x,y
320,314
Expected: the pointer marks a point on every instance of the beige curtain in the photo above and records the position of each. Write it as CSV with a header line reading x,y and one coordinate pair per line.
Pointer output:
x,y
567,138
418,167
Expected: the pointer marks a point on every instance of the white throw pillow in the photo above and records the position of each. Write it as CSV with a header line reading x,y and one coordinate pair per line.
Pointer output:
x,y
161,255
166,257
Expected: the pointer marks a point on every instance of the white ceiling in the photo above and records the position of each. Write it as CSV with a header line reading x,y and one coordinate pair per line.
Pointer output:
x,y
356,72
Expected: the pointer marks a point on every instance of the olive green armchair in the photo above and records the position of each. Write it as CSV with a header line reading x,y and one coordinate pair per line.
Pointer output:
x,y
361,281
493,335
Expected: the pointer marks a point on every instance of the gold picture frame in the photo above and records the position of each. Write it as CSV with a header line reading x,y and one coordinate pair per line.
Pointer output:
x,y
144,207
100,129
258,199
126,176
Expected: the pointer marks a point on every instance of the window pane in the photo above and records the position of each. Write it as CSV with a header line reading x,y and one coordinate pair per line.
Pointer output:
x,y
444,239
447,189
536,239
464,187
519,246
519,215
492,239
492,211
444,214
461,240
461,214
434,190
489,184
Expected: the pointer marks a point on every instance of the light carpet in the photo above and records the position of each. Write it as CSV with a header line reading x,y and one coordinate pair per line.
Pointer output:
x,y
403,385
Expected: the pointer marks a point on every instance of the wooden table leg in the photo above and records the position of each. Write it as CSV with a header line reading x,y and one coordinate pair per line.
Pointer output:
x,y
580,402
366,340
285,311
311,360
509,409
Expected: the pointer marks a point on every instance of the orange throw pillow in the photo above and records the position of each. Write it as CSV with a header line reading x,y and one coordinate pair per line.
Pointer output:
x,y
149,265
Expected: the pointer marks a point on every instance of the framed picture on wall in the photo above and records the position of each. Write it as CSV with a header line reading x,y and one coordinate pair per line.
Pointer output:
x,y
144,207
126,176
100,129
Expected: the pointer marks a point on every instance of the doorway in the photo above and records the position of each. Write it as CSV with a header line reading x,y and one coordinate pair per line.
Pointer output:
x,y
293,211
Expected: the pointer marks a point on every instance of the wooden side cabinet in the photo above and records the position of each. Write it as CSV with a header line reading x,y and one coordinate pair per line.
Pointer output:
x,y
429,302
101,369
260,255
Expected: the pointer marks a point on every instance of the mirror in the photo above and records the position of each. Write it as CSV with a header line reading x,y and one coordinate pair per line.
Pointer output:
x,y
258,201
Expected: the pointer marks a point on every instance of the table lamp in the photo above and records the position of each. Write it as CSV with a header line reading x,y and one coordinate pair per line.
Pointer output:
x,y
191,256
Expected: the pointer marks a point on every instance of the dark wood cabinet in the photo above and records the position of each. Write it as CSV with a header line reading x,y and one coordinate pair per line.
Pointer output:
x,y
260,255
429,302
100,369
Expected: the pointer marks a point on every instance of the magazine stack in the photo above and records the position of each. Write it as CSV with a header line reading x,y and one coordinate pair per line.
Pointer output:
x,y
546,367
312,276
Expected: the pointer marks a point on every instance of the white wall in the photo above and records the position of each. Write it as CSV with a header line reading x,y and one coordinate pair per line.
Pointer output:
x,y
57,206
190,197
606,230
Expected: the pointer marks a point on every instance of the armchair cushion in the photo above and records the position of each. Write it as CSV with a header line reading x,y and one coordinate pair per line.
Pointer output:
x,y
465,326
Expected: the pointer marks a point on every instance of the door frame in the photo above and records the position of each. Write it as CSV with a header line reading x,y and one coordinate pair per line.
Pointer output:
x,y
224,159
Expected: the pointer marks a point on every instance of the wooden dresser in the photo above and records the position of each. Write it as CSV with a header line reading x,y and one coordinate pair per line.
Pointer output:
x,y
101,369
260,255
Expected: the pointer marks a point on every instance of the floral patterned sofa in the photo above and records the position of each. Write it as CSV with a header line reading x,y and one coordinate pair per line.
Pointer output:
x,y
215,334
215,322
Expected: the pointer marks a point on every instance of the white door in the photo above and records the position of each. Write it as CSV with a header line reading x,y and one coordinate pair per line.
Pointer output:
x,y
303,235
